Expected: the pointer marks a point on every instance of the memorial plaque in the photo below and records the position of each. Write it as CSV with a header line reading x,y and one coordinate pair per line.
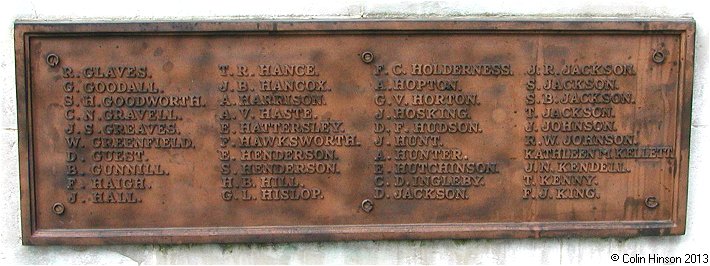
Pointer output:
x,y
267,131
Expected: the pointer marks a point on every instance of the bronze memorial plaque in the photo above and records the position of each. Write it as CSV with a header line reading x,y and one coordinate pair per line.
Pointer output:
x,y
267,131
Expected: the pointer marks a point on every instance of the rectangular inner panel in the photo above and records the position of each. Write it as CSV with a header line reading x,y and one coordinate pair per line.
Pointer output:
x,y
311,129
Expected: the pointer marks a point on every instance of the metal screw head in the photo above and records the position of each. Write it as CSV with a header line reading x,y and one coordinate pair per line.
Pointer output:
x,y
52,60
58,208
367,205
367,57
658,57
651,202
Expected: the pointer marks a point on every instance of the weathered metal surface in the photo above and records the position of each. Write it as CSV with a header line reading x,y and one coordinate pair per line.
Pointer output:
x,y
307,131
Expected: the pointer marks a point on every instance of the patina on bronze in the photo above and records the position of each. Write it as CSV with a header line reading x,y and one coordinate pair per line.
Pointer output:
x,y
266,131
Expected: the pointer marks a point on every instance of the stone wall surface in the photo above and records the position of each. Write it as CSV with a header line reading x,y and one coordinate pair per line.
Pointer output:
x,y
506,251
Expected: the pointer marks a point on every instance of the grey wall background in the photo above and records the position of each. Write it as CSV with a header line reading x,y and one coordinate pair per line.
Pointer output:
x,y
527,251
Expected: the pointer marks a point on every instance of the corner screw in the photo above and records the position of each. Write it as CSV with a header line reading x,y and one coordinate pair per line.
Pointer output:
x,y
367,205
651,202
367,57
658,57
52,60
58,208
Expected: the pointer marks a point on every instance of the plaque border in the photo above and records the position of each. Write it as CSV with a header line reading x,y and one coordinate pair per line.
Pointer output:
x,y
31,235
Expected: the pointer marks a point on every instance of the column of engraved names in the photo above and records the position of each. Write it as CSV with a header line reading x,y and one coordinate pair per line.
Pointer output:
x,y
419,106
116,114
573,134
270,128
72,136
234,186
